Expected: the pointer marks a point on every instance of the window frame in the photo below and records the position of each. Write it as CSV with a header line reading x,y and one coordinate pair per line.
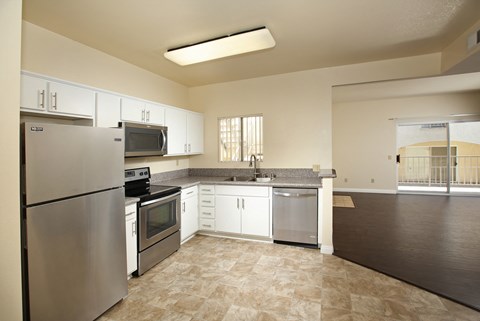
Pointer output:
x,y
241,117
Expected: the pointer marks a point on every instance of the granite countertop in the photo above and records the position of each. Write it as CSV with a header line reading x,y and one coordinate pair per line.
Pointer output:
x,y
188,181
131,200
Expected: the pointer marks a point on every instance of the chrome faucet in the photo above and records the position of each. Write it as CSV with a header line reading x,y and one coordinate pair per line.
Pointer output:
x,y
254,163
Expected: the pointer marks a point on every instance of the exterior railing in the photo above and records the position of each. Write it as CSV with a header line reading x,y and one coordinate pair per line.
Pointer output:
x,y
432,170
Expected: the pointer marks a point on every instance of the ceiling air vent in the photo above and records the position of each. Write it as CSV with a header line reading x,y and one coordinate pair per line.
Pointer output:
x,y
473,39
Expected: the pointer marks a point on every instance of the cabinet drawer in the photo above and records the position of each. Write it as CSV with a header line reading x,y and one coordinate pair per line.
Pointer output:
x,y
207,200
189,192
207,224
207,189
207,212
130,211
261,191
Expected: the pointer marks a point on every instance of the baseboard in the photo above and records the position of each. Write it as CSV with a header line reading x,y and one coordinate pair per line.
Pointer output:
x,y
365,190
326,249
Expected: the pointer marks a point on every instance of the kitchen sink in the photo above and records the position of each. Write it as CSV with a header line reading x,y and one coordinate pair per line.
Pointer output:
x,y
240,179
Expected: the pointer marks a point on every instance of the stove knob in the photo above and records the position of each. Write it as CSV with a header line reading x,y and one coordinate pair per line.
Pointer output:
x,y
141,173
146,173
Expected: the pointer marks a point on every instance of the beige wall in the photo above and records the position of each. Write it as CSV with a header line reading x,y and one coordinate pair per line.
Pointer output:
x,y
10,265
364,136
51,54
297,109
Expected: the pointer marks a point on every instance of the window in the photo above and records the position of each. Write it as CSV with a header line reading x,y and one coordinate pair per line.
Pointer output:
x,y
240,137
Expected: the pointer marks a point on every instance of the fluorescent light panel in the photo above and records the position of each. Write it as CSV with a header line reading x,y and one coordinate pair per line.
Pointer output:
x,y
230,45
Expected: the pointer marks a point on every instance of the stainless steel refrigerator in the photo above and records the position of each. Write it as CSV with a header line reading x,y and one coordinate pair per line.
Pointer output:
x,y
73,218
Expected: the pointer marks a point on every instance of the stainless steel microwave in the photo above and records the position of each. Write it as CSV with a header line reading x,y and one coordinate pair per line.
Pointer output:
x,y
144,140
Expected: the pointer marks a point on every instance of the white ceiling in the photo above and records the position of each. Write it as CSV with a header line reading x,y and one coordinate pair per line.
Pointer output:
x,y
309,33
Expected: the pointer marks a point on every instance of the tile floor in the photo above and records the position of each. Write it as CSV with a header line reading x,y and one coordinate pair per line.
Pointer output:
x,y
217,279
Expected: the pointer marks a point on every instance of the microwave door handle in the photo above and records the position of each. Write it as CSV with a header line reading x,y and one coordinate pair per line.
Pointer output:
x,y
164,139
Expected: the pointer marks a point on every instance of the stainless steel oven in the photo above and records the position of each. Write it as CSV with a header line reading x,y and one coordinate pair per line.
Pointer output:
x,y
158,218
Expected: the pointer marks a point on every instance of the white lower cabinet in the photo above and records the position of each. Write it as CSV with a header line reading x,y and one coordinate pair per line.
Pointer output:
x,y
189,210
131,237
256,216
242,210
228,214
207,208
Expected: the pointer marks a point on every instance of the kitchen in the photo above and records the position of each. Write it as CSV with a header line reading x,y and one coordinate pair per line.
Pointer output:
x,y
307,107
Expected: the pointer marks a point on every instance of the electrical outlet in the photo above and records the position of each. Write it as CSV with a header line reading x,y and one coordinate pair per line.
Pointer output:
x,y
316,167
372,180
346,180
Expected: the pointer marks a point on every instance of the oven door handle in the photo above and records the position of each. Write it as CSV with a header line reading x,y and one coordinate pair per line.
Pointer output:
x,y
160,199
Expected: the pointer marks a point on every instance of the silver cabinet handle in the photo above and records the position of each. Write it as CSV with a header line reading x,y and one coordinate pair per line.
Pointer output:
x,y
184,207
207,225
238,203
143,115
148,115
54,101
207,213
185,148
42,99
134,228
243,203
189,148
206,201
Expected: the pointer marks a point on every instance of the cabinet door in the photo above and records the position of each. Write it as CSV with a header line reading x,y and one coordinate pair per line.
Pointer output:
x,y
107,110
33,93
155,114
255,216
131,235
194,133
73,100
176,121
132,110
189,221
227,214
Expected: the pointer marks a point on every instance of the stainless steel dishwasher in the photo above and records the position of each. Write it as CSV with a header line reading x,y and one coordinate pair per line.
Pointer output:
x,y
295,218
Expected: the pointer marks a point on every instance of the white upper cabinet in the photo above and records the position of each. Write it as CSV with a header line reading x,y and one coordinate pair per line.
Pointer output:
x,y
142,112
108,110
73,100
33,93
50,97
132,110
194,133
176,121
154,114
185,131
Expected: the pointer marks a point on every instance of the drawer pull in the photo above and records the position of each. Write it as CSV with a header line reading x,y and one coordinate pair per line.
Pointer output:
x,y
207,225
207,202
207,213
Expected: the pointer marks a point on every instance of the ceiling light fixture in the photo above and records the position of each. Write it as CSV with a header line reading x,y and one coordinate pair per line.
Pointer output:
x,y
225,46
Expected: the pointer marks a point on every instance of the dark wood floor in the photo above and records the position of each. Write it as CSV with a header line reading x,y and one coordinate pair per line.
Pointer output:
x,y
430,241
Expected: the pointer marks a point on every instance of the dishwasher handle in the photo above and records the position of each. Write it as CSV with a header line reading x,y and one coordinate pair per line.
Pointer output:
x,y
293,194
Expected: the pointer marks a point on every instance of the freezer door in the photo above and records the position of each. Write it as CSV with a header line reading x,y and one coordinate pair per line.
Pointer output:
x,y
65,160
76,256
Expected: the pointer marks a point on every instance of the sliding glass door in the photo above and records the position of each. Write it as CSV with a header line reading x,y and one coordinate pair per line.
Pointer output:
x,y
422,158
438,157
